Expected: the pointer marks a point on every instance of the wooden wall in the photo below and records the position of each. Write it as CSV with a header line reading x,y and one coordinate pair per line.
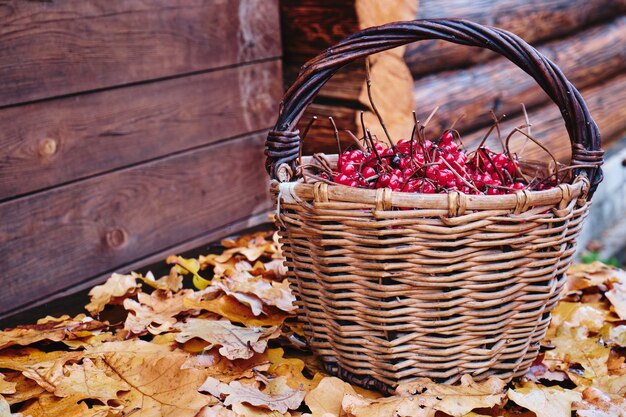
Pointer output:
x,y
128,131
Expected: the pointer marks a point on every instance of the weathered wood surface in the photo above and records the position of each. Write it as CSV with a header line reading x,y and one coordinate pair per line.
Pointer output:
x,y
534,20
73,299
52,142
588,58
64,236
606,103
49,48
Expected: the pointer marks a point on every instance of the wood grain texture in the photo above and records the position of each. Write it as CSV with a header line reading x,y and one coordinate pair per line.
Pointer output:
x,y
588,58
49,48
72,233
55,141
72,299
533,20
606,103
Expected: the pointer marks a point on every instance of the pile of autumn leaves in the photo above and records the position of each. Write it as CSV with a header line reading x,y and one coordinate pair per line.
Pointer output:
x,y
223,349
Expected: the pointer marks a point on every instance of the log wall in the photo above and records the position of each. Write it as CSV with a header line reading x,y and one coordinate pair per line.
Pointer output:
x,y
130,130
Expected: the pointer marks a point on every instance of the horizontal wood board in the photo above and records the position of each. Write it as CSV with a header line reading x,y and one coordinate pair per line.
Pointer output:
x,y
51,48
56,141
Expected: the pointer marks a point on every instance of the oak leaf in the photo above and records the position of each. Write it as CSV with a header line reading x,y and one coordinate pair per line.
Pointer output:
x,y
91,380
52,329
6,387
48,373
159,386
277,394
114,290
231,309
217,410
545,401
596,404
617,297
170,282
596,274
25,388
258,292
423,398
235,342
327,397
592,316
47,405
572,346
155,313
291,369
189,266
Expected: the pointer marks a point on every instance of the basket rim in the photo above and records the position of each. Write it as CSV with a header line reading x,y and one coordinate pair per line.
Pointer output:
x,y
323,192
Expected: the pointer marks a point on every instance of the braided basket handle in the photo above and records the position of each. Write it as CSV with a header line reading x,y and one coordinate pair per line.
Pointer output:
x,y
283,142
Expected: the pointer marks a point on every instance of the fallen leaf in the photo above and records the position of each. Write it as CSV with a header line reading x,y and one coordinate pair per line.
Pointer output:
x,y
90,380
596,274
155,313
235,342
50,328
158,384
291,369
47,405
573,347
258,292
596,404
6,387
617,297
217,410
48,373
545,401
277,394
327,397
114,290
592,316
25,389
422,398
227,370
231,309
171,282
188,266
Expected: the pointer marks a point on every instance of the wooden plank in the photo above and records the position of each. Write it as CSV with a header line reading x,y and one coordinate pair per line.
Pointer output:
x,y
587,58
533,20
51,48
66,235
72,299
606,104
52,142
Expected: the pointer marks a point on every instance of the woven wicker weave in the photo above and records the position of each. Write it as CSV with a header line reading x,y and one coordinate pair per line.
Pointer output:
x,y
455,284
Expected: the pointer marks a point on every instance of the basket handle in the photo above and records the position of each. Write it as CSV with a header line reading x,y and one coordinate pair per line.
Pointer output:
x,y
283,143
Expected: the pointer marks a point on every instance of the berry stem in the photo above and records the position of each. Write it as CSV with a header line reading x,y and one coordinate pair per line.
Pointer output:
x,y
369,95
304,134
332,121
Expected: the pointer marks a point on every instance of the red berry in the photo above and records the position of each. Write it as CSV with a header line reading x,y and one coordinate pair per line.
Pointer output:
x,y
368,172
348,169
493,191
447,137
431,172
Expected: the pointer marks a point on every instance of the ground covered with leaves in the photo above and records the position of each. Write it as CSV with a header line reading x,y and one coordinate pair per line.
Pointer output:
x,y
157,347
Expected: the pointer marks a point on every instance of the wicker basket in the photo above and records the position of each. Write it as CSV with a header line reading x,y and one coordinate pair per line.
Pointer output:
x,y
459,284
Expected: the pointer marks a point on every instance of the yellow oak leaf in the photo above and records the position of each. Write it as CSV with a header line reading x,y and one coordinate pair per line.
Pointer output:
x,y
217,410
258,292
114,290
277,394
423,397
592,316
246,410
188,266
596,404
48,373
231,309
159,386
596,274
291,369
50,328
545,401
20,359
236,342
227,370
155,313
574,347
327,397
614,335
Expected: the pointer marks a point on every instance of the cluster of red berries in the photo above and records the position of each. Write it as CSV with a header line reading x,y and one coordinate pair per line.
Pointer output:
x,y
431,167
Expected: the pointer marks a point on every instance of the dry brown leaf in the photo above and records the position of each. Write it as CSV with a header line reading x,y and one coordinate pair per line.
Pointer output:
x,y
226,370
113,291
277,394
592,316
188,266
6,387
47,405
171,282
231,309
51,328
25,388
258,292
48,373
217,410
327,397
90,380
291,369
596,274
617,297
423,398
235,342
155,313
245,410
545,401
158,384
596,404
